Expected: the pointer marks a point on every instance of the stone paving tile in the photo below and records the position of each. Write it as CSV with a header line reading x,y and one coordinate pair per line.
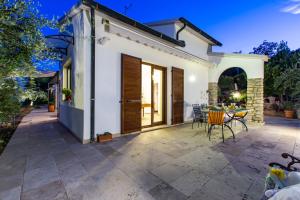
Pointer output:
x,y
39,177
10,182
46,161
51,191
171,171
42,161
65,159
12,194
164,191
217,190
190,182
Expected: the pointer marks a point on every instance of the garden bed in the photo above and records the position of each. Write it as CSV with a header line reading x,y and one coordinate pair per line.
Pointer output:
x,y
7,131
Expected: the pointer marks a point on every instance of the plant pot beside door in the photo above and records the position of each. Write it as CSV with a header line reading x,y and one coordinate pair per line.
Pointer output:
x,y
289,110
51,107
104,137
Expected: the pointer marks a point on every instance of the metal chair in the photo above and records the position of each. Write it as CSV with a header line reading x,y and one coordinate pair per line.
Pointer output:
x,y
240,116
217,118
198,115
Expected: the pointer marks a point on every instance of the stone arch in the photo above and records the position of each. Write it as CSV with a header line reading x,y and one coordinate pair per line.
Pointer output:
x,y
253,65
233,72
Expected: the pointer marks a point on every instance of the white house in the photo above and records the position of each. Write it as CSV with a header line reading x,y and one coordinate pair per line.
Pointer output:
x,y
125,75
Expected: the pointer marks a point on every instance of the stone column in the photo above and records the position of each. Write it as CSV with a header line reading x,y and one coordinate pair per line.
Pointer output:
x,y
255,99
213,93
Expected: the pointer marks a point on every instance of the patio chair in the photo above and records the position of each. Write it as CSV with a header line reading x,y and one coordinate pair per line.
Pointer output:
x,y
240,116
217,118
198,116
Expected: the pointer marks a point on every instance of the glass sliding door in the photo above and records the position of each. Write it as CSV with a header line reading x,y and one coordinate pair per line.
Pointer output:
x,y
153,95
157,99
146,95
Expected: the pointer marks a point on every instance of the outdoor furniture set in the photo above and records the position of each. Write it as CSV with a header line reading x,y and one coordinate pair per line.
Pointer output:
x,y
218,116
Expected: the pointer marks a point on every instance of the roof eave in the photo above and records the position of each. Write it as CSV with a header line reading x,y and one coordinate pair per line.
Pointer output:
x,y
131,22
201,32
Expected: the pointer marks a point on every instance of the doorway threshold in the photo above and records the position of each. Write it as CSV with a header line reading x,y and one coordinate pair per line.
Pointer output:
x,y
154,128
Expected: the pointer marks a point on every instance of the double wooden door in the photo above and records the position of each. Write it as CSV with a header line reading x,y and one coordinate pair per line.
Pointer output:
x,y
131,94
177,95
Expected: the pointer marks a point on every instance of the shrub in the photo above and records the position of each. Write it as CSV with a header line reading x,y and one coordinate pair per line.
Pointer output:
x,y
288,105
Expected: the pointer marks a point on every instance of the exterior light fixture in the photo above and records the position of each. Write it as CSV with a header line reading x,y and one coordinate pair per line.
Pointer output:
x,y
103,40
236,94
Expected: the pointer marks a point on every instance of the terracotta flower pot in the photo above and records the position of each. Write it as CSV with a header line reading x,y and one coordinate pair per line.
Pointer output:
x,y
51,108
289,114
104,138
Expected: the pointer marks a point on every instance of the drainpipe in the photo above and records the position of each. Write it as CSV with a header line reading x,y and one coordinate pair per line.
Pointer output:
x,y
92,120
179,31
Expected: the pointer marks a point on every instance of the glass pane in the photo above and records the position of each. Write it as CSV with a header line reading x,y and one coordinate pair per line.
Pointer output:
x,y
146,95
157,95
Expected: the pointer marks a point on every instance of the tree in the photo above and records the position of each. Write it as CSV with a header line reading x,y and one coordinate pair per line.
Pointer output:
x,y
33,93
9,100
266,48
282,72
22,45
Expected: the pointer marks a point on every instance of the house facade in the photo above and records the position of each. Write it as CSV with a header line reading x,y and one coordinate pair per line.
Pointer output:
x,y
126,76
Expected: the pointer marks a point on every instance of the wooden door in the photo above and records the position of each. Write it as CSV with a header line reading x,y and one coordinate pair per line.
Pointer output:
x,y
177,95
131,102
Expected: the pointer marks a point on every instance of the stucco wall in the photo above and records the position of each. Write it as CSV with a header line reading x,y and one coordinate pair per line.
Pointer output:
x,y
72,118
168,29
108,77
75,116
193,43
253,65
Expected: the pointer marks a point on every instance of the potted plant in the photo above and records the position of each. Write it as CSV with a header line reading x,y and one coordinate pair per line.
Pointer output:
x,y
51,104
298,110
68,94
288,110
104,137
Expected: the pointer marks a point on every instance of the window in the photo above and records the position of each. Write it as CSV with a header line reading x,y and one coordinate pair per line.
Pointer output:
x,y
67,80
67,76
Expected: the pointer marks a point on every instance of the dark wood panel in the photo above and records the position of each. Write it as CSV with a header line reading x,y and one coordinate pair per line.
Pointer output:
x,y
177,95
131,102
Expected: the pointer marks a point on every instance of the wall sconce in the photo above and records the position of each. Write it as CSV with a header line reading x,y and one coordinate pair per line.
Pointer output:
x,y
103,40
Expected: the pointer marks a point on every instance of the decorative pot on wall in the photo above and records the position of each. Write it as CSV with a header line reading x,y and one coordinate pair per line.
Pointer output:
x,y
289,114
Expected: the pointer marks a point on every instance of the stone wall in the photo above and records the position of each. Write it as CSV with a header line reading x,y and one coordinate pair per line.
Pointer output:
x,y
213,93
255,99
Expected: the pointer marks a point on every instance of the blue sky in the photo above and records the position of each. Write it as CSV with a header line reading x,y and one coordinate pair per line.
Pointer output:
x,y
238,24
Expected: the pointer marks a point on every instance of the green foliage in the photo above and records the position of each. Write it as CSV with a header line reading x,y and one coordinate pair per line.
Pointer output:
x,y
266,48
288,105
282,72
22,44
9,100
34,94
22,47
68,93
51,100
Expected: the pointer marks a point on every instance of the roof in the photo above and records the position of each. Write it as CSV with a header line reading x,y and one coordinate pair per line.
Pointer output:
x,y
189,24
99,7
146,27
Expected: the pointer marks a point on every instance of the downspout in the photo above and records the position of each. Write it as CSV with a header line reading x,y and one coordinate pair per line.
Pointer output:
x,y
92,120
179,31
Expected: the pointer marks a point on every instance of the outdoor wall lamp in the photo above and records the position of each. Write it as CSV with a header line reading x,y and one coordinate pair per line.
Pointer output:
x,y
103,40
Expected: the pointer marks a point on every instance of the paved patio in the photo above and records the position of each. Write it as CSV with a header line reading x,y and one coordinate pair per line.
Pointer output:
x,y
44,161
